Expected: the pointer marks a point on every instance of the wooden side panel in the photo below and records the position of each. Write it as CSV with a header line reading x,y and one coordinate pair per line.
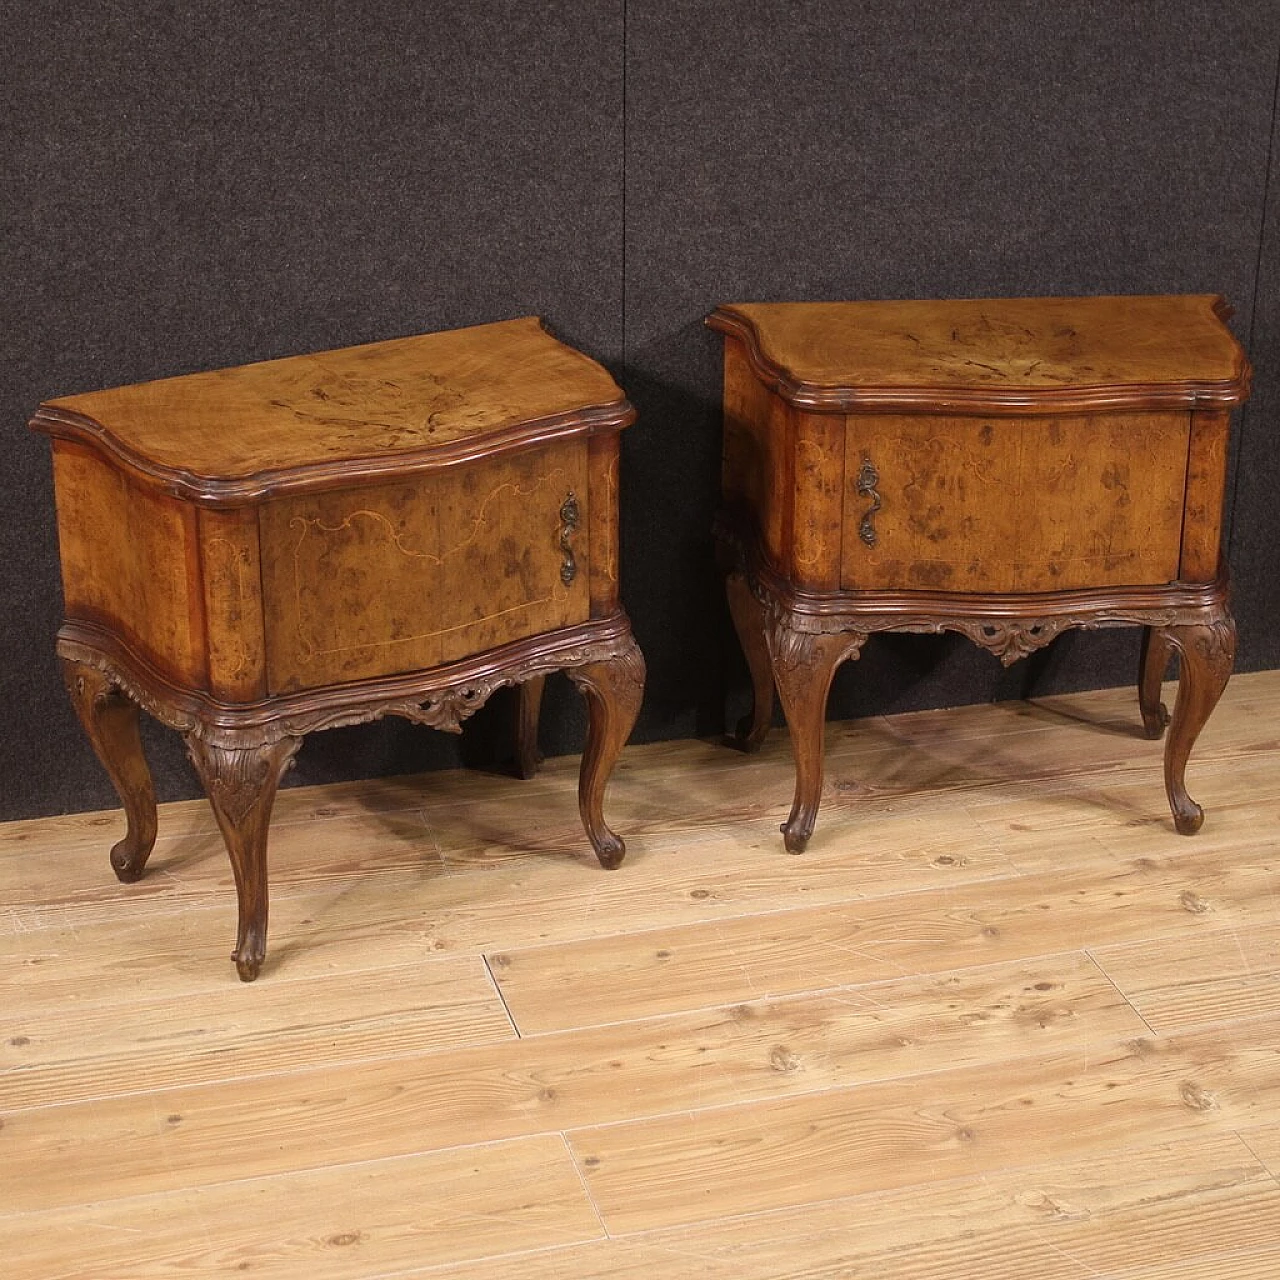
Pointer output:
x,y
1206,477
232,578
387,578
818,499
129,562
1016,504
602,530
758,460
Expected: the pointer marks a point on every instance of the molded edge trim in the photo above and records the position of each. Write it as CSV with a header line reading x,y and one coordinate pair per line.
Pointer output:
x,y
331,705
212,491
844,399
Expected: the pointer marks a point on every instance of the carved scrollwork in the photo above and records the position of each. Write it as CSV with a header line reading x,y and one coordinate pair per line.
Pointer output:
x,y
237,778
1012,640
620,662
1216,642
447,705
436,700
166,712
791,647
1009,639
448,708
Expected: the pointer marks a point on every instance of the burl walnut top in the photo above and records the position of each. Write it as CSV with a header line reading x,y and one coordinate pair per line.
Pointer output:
x,y
306,420
1064,353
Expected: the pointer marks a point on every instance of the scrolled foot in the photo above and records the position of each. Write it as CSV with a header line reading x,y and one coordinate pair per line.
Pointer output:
x,y
613,687
610,848
1188,817
1208,652
251,944
129,859
110,720
796,831
249,964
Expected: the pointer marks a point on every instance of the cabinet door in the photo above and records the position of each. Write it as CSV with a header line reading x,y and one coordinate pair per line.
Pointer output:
x,y
1012,504
405,576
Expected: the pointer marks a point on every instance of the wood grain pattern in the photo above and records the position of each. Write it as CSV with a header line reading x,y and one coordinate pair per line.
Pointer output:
x,y
231,575
603,452
1017,504
1160,1207
1198,981
1010,352
130,561
1206,476
757,452
1043,1043
232,434
382,579
405,903
61,1052
332,1224
684,1168
1264,1142
817,499
575,984
761,1049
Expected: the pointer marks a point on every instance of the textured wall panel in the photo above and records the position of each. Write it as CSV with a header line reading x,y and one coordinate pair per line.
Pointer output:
x,y
1254,548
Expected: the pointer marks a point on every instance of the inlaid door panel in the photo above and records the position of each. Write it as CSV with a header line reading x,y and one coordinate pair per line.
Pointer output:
x,y
999,504
395,577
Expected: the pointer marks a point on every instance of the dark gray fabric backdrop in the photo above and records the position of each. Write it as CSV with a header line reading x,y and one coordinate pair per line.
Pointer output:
x,y
192,185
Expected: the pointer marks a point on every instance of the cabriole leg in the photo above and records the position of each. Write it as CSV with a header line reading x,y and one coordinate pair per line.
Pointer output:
x,y
110,721
613,688
803,667
528,705
749,622
1208,652
1151,668
241,785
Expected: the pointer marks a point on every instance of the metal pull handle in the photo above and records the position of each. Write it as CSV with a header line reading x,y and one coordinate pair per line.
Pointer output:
x,y
868,478
569,518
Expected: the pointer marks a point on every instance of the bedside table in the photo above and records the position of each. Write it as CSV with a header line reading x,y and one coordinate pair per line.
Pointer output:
x,y
253,554
1005,468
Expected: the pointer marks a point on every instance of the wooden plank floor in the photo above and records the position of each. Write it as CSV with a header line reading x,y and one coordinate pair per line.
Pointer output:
x,y
998,1021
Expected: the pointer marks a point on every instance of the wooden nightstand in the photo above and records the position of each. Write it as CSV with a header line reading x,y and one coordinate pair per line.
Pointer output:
x,y
394,529
1005,468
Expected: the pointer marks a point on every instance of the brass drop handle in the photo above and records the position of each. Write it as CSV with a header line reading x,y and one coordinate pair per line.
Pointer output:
x,y
868,478
569,518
